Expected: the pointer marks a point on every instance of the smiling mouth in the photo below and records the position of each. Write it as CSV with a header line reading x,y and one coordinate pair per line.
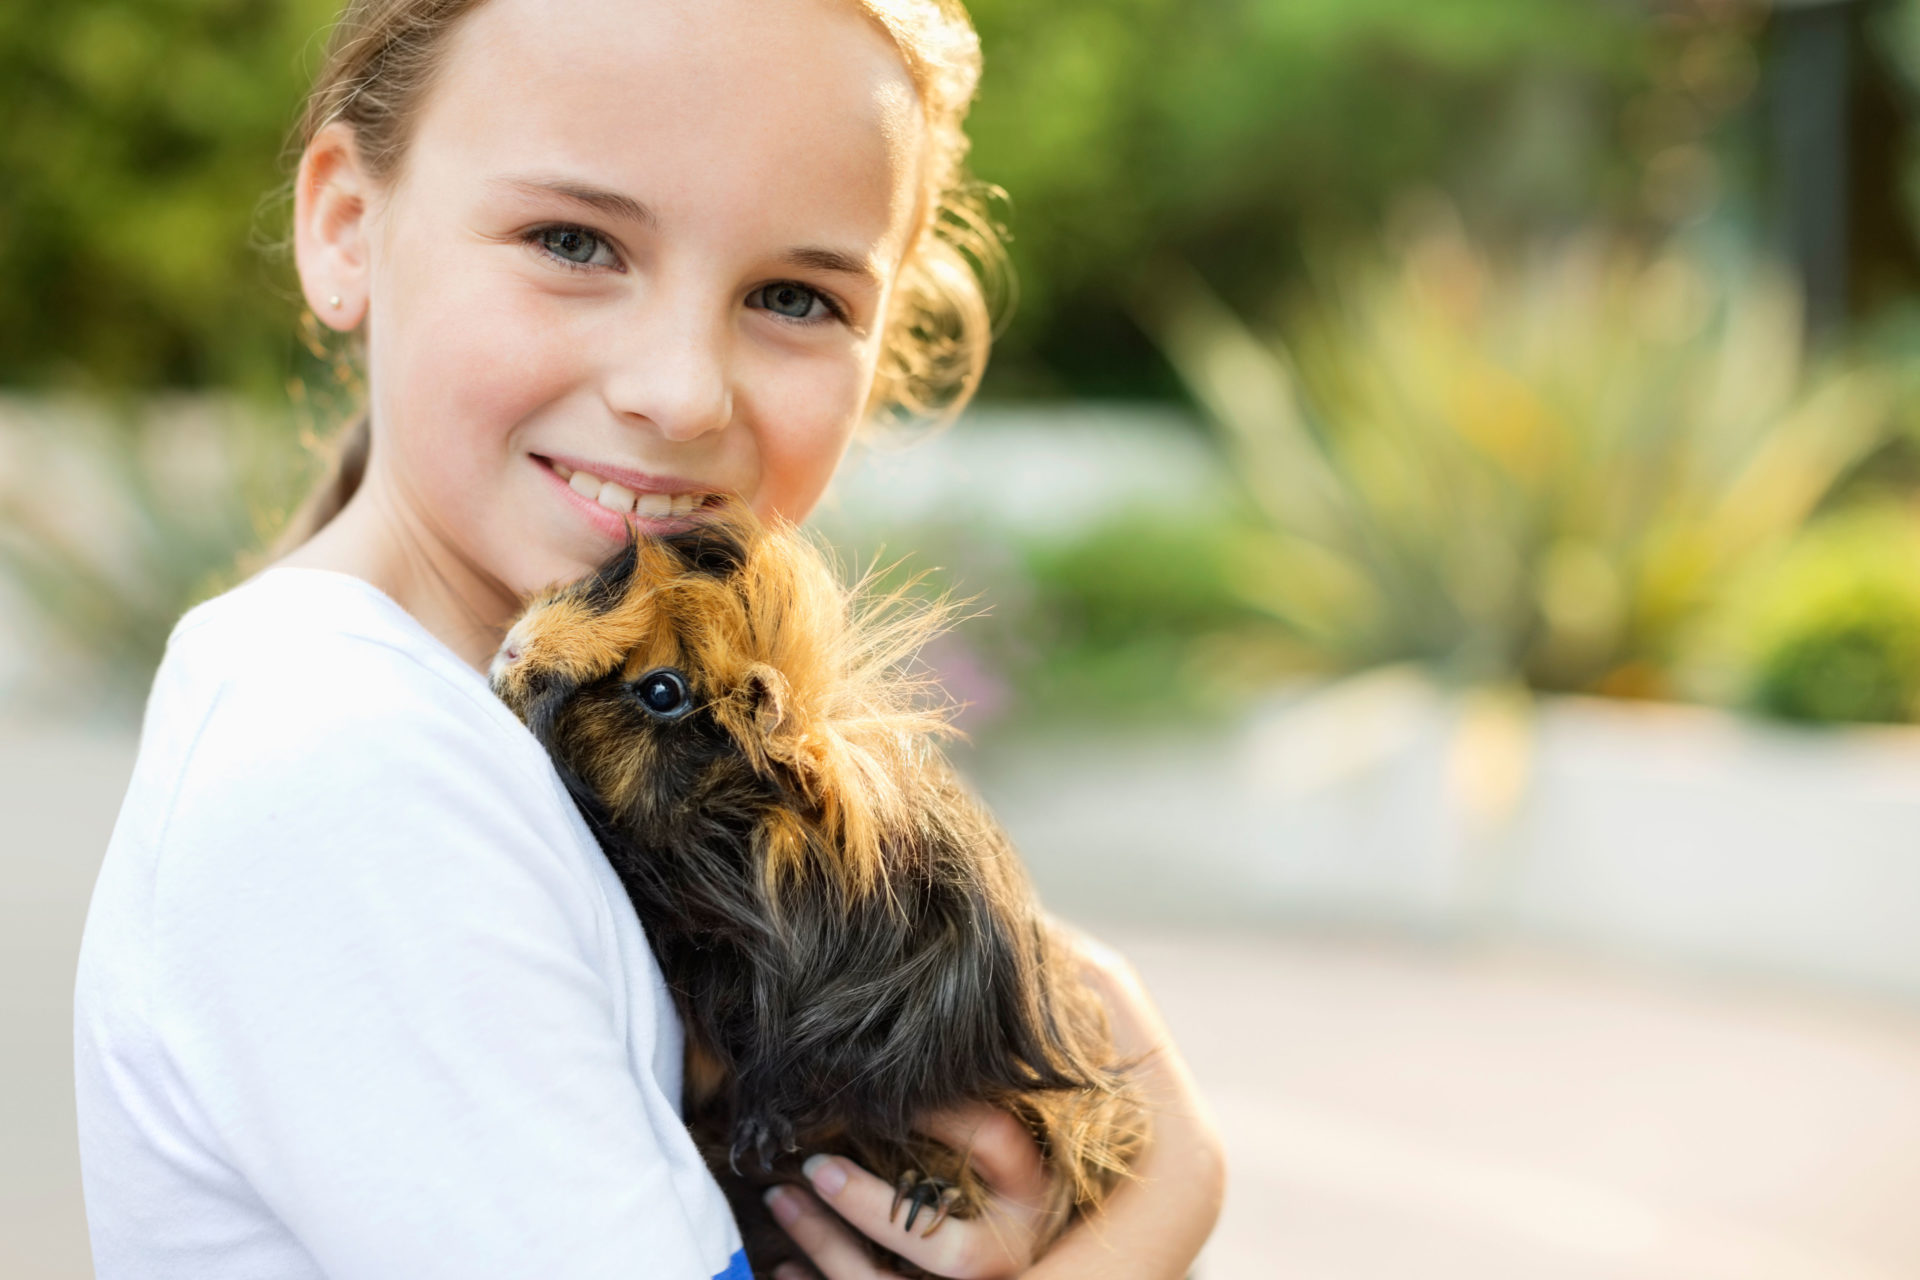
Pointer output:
x,y
620,500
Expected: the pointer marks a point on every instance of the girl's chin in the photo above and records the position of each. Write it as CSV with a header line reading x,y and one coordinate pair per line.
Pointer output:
x,y
535,575
536,555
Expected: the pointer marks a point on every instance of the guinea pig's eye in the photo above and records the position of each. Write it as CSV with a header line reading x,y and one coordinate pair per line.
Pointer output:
x,y
663,693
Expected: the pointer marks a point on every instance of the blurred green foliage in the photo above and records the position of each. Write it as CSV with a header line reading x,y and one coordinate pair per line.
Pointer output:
x,y
1139,573
1830,629
139,150
1141,615
1222,131
1537,470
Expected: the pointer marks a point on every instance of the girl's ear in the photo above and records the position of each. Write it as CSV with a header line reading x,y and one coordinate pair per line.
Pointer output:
x,y
331,228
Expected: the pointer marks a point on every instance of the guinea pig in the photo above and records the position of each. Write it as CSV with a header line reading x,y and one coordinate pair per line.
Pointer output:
x,y
851,939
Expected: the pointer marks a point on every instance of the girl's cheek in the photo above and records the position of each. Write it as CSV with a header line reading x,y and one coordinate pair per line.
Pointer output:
x,y
476,353
489,351
801,447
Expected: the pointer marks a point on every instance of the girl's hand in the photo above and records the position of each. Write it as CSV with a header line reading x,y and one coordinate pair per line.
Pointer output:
x,y
995,1246
1151,1229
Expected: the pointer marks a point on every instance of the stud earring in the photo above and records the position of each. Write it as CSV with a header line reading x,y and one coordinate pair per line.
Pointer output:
x,y
334,301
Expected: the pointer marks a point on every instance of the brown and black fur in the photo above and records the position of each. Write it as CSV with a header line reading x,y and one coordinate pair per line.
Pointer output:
x,y
851,940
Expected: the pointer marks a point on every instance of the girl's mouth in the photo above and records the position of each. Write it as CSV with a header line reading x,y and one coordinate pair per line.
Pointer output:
x,y
614,503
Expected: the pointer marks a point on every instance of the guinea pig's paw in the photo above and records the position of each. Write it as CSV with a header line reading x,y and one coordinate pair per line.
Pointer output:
x,y
918,1191
765,1135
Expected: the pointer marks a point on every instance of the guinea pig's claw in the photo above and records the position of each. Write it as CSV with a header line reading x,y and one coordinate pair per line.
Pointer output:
x,y
922,1192
942,1210
765,1138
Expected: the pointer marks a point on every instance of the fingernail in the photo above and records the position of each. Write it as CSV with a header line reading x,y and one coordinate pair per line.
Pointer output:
x,y
787,1271
826,1175
784,1204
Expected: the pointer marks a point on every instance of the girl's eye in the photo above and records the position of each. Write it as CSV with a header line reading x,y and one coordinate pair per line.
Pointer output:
x,y
791,299
575,245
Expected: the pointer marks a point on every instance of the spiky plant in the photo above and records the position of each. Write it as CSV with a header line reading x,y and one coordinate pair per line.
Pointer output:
x,y
1535,470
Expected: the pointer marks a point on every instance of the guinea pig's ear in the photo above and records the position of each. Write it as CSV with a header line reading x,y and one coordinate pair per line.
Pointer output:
x,y
767,694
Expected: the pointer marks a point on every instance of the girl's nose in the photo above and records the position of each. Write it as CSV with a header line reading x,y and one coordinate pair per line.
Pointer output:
x,y
673,370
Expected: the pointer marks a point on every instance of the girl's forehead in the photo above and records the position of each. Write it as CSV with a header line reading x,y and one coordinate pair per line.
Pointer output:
x,y
755,111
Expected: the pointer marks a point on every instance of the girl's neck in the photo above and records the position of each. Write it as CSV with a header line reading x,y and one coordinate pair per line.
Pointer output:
x,y
377,538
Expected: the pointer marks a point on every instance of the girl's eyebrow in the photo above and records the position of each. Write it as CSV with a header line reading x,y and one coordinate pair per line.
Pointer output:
x,y
820,259
600,199
615,205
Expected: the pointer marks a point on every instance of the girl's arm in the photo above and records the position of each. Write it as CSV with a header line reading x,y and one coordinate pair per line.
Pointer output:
x,y
1152,1228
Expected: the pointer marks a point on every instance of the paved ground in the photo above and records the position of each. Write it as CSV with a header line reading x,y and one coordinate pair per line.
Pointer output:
x,y
1390,1110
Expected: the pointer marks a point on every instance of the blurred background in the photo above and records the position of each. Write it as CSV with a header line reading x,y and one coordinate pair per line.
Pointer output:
x,y
1446,513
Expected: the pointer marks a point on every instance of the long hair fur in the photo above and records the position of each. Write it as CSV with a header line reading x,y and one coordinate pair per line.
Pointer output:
x,y
851,939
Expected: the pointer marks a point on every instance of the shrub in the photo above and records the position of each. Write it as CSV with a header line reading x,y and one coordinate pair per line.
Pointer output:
x,y
1537,470
1139,615
1831,630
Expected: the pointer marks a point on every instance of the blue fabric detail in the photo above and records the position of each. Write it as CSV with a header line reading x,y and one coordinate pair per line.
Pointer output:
x,y
737,1268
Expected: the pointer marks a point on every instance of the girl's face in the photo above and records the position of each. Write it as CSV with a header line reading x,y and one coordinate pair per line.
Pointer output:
x,y
640,251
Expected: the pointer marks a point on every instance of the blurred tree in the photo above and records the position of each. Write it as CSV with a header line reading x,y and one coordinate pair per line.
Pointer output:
x,y
1883,189
139,142
1220,131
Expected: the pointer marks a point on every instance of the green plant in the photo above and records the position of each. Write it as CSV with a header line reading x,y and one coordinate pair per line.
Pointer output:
x,y
141,143
1537,470
1135,616
1830,629
1221,130
1142,615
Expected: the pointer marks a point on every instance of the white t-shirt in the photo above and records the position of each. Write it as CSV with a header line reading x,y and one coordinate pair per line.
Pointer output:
x,y
359,996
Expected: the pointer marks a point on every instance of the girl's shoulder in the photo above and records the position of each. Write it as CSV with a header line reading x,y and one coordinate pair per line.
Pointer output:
x,y
308,744
308,691
316,636
312,661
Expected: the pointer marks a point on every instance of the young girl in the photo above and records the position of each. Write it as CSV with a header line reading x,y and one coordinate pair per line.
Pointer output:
x,y
358,995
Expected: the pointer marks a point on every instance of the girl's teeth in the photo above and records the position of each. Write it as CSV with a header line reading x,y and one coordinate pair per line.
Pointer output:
x,y
615,497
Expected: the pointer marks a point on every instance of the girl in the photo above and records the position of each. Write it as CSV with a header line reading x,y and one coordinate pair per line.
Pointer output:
x,y
358,995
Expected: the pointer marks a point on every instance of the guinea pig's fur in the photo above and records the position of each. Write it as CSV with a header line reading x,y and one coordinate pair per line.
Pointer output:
x,y
851,939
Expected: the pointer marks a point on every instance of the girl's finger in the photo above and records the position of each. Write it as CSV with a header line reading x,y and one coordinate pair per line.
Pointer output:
x,y
999,1244
998,1146
822,1237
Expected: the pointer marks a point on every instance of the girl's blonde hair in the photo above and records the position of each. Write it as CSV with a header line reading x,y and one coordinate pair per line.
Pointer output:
x,y
380,64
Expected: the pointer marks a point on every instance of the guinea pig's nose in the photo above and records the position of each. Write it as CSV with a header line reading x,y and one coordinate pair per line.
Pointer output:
x,y
513,644
504,659
507,654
